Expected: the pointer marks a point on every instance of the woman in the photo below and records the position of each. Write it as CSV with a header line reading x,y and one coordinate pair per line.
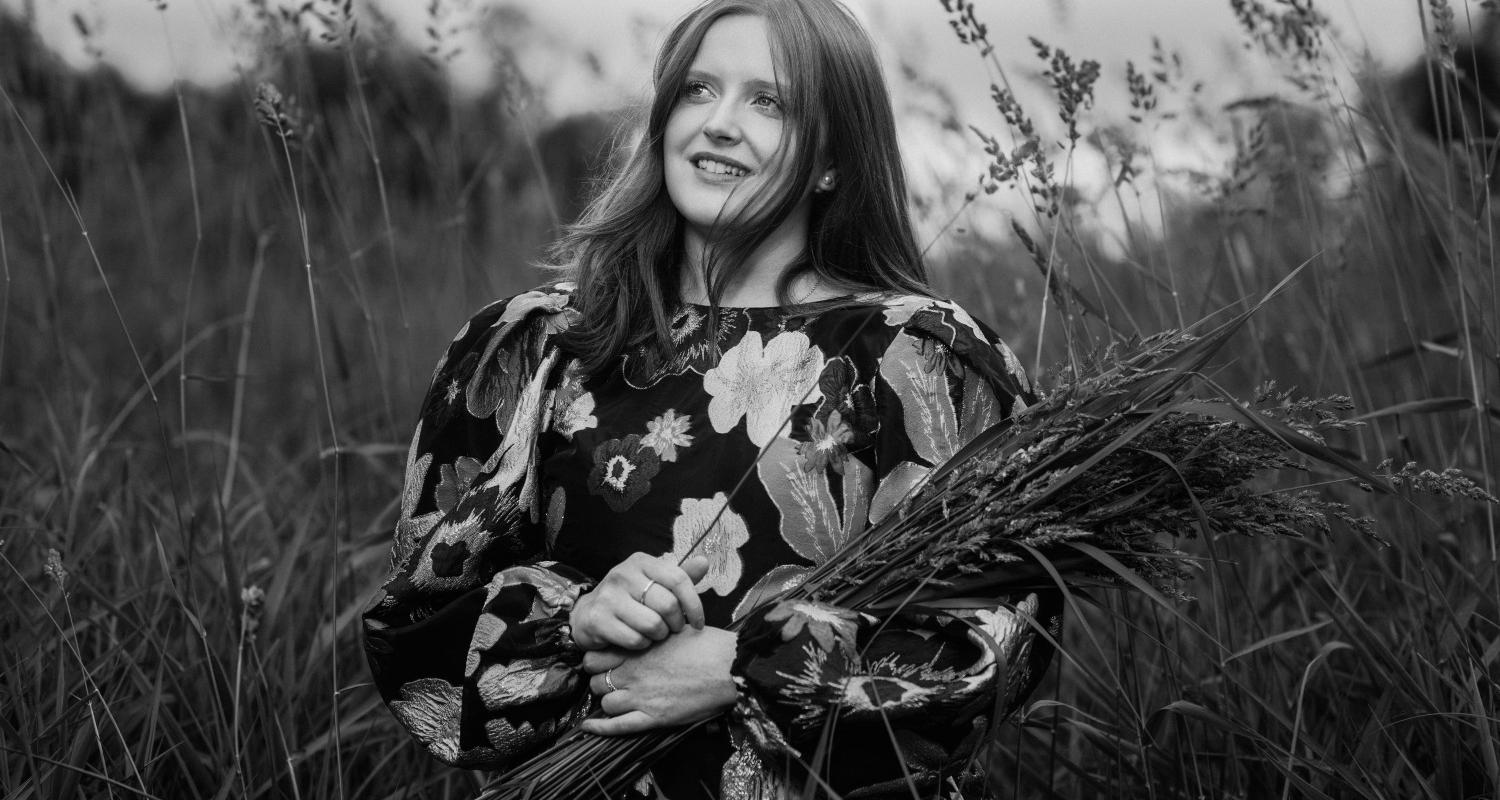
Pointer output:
x,y
744,370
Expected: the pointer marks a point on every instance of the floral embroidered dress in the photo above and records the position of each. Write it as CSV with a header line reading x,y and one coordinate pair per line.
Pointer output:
x,y
766,444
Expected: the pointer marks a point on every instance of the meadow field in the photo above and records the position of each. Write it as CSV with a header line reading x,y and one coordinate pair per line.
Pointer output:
x,y
218,312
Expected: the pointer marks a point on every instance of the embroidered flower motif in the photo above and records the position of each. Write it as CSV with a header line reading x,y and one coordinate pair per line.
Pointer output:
x,y
454,481
572,406
573,411
693,348
577,416
828,444
871,692
622,471
507,362
935,356
494,378
668,432
827,625
722,535
429,708
685,324
853,400
1002,629
763,383
998,624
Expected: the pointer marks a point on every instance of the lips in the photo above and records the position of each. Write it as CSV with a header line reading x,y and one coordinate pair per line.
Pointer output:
x,y
719,165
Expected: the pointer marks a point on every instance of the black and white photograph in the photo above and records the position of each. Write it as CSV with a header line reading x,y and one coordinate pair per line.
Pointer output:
x,y
749,399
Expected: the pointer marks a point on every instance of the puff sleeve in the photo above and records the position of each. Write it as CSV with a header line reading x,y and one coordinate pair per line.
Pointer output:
x,y
468,635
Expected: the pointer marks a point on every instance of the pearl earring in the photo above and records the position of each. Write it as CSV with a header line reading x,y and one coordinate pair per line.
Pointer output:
x,y
825,183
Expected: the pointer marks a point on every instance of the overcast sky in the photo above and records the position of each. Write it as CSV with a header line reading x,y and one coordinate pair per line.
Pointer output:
x,y
583,55
143,43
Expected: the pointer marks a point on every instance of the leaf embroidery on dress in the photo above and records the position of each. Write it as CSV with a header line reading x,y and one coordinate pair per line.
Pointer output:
x,y
903,309
557,507
922,388
896,487
900,310
770,585
810,521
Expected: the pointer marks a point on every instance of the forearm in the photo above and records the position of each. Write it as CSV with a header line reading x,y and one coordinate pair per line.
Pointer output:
x,y
484,678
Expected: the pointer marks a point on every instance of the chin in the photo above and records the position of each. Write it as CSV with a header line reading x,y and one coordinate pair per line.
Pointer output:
x,y
701,204
700,211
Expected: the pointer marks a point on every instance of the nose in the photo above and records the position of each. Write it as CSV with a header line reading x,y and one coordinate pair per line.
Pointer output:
x,y
722,125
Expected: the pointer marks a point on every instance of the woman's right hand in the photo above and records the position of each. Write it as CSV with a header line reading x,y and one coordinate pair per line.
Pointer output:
x,y
643,600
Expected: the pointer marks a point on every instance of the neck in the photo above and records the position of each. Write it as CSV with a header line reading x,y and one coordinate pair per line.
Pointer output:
x,y
754,283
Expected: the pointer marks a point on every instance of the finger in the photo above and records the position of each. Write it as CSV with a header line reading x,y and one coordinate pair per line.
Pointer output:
x,y
626,576
696,566
599,686
644,621
616,633
597,661
664,602
617,702
671,577
630,722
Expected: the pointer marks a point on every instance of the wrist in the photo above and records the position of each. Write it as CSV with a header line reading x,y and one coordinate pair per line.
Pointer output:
x,y
726,643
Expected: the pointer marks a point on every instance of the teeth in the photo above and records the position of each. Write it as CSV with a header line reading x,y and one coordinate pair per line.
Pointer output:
x,y
719,168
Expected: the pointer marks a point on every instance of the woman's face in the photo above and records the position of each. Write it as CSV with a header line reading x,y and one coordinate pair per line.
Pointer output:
x,y
722,137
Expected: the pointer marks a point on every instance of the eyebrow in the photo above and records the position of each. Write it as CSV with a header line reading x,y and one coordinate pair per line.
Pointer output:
x,y
758,84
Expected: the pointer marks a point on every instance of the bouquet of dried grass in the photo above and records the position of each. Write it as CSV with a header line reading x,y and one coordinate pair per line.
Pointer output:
x,y
1092,484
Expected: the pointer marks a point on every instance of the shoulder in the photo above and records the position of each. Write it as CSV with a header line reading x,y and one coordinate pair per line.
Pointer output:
x,y
499,348
510,321
888,322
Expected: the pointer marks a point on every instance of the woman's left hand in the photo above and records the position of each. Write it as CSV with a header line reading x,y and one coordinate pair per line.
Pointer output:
x,y
679,680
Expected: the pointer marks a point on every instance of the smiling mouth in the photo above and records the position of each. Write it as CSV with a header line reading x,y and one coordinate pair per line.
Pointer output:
x,y
715,167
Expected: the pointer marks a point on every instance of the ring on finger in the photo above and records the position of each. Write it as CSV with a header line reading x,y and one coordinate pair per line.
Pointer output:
x,y
609,683
646,591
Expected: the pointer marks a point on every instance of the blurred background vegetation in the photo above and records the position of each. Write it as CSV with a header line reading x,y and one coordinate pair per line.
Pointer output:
x,y
219,309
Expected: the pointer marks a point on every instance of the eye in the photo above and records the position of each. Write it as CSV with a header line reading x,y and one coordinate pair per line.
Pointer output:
x,y
766,100
694,90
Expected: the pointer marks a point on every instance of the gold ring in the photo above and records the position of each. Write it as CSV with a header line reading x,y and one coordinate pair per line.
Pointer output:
x,y
609,684
646,590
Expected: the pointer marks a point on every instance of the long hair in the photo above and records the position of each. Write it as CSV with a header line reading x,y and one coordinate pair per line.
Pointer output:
x,y
625,252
